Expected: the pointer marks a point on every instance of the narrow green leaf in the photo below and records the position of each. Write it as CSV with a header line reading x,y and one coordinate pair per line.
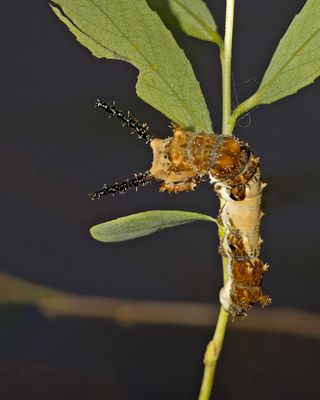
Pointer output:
x,y
143,224
130,31
191,16
296,61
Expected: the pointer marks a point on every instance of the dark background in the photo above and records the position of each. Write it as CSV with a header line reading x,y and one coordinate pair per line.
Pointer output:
x,y
56,148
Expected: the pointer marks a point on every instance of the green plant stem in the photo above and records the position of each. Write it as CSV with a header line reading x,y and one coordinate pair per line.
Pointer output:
x,y
215,345
212,355
226,58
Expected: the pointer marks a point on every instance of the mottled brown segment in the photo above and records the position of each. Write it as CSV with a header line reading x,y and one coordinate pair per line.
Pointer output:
x,y
245,297
247,275
230,159
191,151
182,159
238,192
202,149
235,243
235,165
178,153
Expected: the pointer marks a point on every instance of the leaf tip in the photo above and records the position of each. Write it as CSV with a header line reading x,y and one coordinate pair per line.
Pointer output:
x,y
94,233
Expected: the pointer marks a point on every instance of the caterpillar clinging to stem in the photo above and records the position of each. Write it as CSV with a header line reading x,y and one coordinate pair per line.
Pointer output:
x,y
180,163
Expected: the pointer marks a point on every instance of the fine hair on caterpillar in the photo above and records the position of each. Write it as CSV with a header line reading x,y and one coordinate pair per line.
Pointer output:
x,y
180,163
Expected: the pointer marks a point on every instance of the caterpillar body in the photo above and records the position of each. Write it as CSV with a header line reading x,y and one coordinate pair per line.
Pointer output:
x,y
180,163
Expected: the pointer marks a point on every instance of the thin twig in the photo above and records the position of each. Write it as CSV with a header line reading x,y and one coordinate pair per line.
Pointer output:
x,y
214,347
53,303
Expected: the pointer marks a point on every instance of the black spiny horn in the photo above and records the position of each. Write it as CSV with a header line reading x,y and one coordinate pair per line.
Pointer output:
x,y
142,130
140,179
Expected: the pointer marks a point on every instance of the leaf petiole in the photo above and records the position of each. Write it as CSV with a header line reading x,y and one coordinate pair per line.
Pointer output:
x,y
241,109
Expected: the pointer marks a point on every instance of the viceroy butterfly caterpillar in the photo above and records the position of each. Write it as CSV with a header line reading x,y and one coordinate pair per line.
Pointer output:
x,y
180,163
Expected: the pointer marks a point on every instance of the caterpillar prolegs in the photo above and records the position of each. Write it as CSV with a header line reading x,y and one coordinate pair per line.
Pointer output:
x,y
180,163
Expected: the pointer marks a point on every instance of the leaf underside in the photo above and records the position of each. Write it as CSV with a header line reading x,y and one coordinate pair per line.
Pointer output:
x,y
296,61
191,16
143,224
129,30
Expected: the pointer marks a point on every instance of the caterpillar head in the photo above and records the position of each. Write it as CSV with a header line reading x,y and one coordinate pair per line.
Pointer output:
x,y
171,158
179,162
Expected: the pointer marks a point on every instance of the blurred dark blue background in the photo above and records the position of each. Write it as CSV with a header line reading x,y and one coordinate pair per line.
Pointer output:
x,y
56,148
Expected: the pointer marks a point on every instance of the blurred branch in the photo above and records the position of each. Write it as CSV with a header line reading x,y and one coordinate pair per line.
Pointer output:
x,y
55,303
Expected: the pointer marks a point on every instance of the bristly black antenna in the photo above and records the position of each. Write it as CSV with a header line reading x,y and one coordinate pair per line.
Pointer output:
x,y
142,130
140,179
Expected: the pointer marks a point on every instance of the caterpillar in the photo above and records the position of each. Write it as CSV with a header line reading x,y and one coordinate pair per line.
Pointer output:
x,y
180,163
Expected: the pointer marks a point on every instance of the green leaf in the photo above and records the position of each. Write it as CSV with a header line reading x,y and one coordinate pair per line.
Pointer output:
x,y
191,16
296,61
143,224
129,30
